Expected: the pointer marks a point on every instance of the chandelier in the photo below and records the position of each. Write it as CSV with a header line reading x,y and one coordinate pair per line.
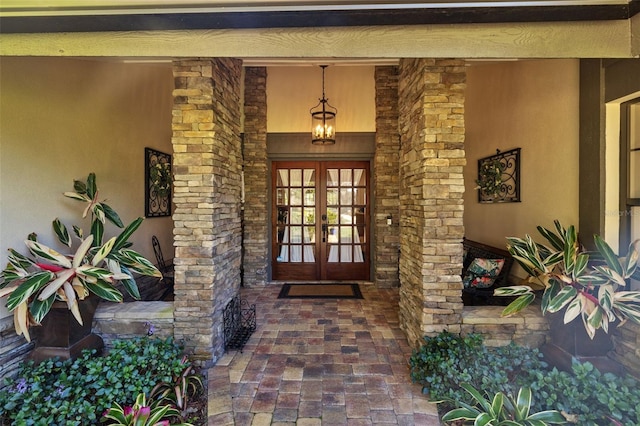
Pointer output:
x,y
323,120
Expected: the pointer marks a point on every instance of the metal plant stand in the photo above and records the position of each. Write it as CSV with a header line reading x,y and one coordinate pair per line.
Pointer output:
x,y
239,320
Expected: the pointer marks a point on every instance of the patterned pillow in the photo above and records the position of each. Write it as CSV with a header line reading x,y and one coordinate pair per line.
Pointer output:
x,y
482,273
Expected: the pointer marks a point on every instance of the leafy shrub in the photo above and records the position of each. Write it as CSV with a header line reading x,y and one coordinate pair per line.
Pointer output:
x,y
180,391
586,396
78,391
589,396
447,360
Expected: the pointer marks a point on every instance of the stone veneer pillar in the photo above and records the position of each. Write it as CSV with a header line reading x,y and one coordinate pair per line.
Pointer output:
x,y
256,230
431,111
207,189
386,179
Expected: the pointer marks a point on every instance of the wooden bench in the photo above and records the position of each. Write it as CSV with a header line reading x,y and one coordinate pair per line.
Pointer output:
x,y
484,296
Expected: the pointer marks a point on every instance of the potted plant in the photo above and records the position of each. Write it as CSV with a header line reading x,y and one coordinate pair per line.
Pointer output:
x,y
591,286
37,282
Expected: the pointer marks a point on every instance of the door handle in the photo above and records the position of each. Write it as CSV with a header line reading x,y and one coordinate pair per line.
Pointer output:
x,y
324,232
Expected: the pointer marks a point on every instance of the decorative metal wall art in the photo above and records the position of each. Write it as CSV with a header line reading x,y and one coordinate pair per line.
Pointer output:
x,y
239,322
158,183
499,177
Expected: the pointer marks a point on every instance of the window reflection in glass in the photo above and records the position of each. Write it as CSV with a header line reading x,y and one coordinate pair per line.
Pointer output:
x,y
332,215
296,177
309,197
309,177
346,234
296,234
296,197
333,234
332,177
296,215
282,195
332,197
346,196
310,236
345,177
283,220
346,215
283,178
309,215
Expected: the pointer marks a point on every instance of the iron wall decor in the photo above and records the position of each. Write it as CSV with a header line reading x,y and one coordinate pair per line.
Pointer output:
x,y
499,177
158,183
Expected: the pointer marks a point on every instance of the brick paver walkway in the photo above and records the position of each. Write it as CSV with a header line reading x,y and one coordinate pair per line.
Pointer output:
x,y
315,362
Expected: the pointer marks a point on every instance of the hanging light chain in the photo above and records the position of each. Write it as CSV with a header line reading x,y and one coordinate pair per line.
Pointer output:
x,y
323,119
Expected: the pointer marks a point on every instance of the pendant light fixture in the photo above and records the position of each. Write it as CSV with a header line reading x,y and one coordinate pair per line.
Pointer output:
x,y
323,120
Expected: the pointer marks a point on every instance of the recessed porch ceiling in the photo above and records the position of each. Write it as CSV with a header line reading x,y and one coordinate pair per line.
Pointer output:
x,y
131,15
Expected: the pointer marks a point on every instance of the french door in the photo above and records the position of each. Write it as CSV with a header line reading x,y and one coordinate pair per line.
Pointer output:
x,y
320,220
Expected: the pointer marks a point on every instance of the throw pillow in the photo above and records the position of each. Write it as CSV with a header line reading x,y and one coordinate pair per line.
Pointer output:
x,y
482,273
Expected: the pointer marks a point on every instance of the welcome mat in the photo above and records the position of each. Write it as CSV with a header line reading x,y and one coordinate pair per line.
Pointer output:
x,y
320,291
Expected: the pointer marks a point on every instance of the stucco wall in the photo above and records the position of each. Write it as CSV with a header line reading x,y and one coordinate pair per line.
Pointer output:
x,y
293,91
63,118
531,105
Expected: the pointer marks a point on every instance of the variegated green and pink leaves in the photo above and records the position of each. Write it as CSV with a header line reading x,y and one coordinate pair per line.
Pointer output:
x,y
100,211
34,283
591,285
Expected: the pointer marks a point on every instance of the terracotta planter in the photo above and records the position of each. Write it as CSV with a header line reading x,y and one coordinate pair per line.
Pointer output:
x,y
570,341
60,335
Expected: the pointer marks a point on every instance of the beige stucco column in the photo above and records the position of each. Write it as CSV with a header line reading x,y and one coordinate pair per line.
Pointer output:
x,y
207,190
431,120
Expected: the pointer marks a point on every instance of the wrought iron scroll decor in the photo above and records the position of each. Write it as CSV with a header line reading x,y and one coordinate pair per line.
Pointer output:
x,y
239,322
158,183
499,177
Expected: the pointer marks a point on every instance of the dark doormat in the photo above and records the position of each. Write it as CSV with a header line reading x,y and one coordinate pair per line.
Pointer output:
x,y
320,291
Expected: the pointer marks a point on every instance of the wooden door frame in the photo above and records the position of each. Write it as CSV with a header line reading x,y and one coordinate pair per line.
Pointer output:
x,y
338,271
301,271
294,271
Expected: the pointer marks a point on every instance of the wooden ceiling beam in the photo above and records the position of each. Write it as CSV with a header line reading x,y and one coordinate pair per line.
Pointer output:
x,y
586,39
314,18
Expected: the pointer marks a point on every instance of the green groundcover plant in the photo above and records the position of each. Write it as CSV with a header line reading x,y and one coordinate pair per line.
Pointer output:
x,y
447,360
584,396
80,391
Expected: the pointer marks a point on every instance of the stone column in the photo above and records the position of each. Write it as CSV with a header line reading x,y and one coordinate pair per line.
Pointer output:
x,y
207,191
431,107
256,213
386,179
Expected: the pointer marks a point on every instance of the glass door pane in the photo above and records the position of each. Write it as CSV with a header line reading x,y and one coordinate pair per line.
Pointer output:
x,y
346,211
296,205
